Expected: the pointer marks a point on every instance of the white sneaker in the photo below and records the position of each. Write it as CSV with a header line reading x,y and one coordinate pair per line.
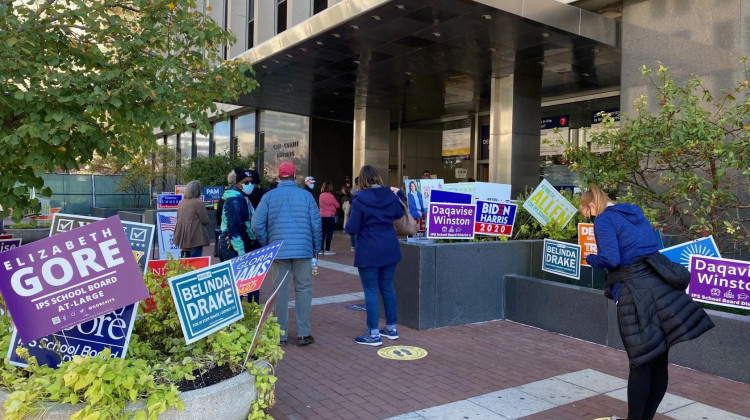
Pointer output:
x,y
330,253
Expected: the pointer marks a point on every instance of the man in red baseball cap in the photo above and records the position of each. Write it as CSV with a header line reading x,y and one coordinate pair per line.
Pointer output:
x,y
288,213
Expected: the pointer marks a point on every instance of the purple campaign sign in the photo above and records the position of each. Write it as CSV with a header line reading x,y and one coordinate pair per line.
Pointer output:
x,y
451,221
8,244
720,281
70,278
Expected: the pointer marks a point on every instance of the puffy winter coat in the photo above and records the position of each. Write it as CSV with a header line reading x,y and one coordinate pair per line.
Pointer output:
x,y
235,221
371,219
289,213
653,312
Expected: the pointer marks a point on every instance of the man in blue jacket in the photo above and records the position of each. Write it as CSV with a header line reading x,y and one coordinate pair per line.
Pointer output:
x,y
289,214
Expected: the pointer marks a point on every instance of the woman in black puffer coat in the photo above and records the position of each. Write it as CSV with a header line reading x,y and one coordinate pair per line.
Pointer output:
x,y
653,311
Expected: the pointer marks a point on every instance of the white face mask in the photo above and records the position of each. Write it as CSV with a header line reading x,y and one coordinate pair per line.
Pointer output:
x,y
248,189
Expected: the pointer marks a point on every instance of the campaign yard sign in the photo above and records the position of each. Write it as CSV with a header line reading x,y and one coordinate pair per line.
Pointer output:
x,y
8,244
206,300
448,220
494,219
586,240
681,253
212,194
158,267
70,278
110,330
720,281
250,269
547,204
167,201
140,235
561,258
166,222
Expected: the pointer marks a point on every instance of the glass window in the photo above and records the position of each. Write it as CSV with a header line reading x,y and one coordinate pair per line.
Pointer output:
x,y
250,23
245,133
221,137
319,6
172,141
201,144
280,16
287,138
186,146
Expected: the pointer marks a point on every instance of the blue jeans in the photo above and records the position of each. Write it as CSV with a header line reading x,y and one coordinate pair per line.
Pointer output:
x,y
374,278
193,253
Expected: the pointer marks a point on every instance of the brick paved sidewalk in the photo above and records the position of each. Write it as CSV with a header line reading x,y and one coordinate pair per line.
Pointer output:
x,y
338,379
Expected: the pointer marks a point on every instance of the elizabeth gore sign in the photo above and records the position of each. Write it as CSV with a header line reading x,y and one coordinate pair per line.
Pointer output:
x,y
720,281
206,300
447,220
561,258
70,278
547,204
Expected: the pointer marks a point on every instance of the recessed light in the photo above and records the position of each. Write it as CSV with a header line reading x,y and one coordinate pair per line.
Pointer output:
x,y
264,66
303,49
319,42
436,34
290,56
585,74
400,7
376,17
354,26
595,50
336,93
356,61
277,61
491,49
545,35
331,111
336,35
488,17
408,73
541,62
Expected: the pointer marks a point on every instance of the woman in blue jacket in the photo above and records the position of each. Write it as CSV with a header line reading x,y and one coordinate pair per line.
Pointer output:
x,y
416,205
374,208
653,311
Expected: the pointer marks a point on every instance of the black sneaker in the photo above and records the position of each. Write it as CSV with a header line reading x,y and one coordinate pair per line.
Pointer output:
x,y
390,334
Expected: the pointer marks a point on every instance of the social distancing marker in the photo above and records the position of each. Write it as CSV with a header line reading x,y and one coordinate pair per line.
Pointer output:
x,y
402,353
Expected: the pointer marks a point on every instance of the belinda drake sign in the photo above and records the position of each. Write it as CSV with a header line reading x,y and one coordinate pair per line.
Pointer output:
x,y
70,278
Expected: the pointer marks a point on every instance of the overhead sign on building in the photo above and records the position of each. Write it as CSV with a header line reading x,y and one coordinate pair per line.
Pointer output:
x,y
546,204
456,144
555,135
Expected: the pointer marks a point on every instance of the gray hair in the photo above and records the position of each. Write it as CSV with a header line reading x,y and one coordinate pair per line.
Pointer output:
x,y
193,189
231,178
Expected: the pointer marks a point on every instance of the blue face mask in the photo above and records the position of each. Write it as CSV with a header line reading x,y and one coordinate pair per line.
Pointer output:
x,y
248,189
311,186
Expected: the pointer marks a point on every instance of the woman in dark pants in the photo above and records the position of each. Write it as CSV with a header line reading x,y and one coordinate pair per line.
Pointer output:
x,y
374,208
653,311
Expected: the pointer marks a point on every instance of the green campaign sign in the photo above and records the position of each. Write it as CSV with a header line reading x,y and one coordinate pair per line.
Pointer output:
x,y
547,204
206,300
562,258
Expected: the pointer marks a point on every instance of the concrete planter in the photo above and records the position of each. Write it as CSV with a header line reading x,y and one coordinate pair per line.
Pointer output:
x,y
231,400
29,235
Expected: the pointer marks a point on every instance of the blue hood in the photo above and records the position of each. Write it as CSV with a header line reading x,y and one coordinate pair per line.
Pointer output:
x,y
630,212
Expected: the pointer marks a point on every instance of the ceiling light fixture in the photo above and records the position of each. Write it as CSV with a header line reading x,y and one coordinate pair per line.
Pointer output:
x,y
303,49
400,7
408,73
290,56
491,49
336,93
545,35
436,34
585,74
354,27
335,35
376,17
488,17
319,42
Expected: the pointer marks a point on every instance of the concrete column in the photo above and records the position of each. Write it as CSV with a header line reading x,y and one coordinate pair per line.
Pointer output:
x,y
371,140
515,115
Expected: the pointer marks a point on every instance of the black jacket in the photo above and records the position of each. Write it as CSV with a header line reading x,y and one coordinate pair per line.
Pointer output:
x,y
654,312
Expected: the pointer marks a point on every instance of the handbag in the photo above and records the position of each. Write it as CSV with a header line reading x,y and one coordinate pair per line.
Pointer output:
x,y
406,225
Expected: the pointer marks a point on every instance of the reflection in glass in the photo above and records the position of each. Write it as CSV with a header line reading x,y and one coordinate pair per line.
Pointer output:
x,y
172,141
287,138
221,138
245,132
201,144
186,146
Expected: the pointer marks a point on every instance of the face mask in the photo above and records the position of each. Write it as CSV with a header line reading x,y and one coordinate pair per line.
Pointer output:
x,y
247,189
311,186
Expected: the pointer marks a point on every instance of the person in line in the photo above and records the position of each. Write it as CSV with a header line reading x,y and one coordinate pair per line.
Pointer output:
x,y
309,184
654,312
416,205
374,208
289,214
258,192
328,208
190,231
426,175
237,238
346,204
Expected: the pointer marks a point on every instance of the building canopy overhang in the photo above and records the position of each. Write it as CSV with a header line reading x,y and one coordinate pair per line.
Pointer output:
x,y
426,59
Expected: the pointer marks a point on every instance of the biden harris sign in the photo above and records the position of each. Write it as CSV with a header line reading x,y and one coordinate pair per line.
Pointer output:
x,y
67,279
206,300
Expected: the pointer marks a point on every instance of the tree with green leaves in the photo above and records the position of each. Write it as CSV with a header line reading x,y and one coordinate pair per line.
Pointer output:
x,y
213,171
79,77
686,163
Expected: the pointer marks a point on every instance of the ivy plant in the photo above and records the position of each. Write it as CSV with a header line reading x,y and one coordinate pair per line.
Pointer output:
x,y
157,363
